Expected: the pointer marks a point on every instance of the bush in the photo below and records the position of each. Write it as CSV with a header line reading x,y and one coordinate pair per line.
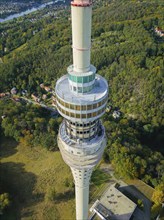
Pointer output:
x,y
140,204
69,183
4,202
50,194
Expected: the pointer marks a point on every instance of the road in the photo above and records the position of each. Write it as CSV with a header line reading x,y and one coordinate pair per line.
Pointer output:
x,y
54,110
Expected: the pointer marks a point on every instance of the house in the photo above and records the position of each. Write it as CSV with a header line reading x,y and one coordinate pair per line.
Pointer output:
x,y
13,91
2,95
116,114
3,116
159,32
44,96
54,98
16,99
34,32
48,89
35,97
108,108
42,85
54,103
24,92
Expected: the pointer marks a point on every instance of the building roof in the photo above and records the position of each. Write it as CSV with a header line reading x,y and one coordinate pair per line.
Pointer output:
x,y
98,92
116,114
114,205
13,90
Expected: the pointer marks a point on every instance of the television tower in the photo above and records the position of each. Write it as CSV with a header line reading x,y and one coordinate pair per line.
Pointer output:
x,y
81,97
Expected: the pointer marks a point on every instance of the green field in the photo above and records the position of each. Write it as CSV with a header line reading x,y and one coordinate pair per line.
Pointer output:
x,y
36,181
31,175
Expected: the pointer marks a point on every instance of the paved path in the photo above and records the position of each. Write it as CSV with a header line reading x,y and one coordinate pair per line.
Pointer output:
x,y
40,104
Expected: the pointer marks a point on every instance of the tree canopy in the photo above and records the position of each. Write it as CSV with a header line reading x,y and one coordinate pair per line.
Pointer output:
x,y
126,50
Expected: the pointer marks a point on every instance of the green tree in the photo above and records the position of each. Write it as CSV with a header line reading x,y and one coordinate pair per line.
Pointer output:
x,y
4,202
158,195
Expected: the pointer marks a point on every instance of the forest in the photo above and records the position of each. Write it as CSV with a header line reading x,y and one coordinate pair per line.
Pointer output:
x,y
126,50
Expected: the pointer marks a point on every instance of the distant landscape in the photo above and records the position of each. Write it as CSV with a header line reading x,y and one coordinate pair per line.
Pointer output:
x,y
35,50
9,7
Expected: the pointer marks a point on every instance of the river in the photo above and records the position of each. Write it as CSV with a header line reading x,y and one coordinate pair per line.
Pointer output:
x,y
28,11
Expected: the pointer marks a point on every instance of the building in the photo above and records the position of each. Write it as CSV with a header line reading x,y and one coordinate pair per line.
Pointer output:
x,y
44,96
108,108
3,117
114,205
47,88
24,92
116,114
2,95
81,98
13,91
159,32
42,85
35,98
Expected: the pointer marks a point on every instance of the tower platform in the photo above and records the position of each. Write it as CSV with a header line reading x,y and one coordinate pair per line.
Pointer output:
x,y
81,107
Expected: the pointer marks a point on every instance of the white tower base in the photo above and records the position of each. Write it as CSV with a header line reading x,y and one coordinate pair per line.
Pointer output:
x,y
82,199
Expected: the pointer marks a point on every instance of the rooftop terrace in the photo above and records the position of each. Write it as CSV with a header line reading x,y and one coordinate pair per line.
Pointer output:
x,y
114,205
97,93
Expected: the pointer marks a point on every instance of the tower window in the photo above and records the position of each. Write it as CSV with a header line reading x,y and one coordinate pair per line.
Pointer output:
x,y
83,107
78,107
83,115
77,115
72,114
79,89
94,114
89,115
72,106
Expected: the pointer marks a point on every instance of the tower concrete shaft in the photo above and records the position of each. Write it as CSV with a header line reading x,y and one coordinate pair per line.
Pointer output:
x,y
81,98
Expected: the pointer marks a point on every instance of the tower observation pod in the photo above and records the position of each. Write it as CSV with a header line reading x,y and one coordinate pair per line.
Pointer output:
x,y
81,97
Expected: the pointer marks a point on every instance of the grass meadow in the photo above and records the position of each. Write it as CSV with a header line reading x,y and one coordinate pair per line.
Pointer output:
x,y
35,179
40,184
